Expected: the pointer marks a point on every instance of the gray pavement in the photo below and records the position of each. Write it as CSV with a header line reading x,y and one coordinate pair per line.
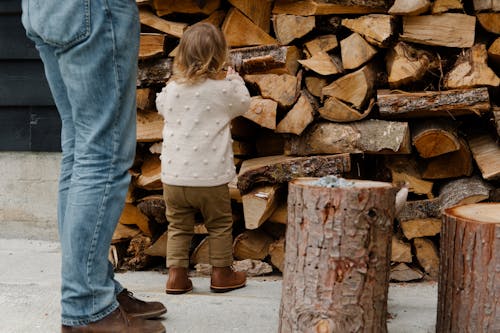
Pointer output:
x,y
29,298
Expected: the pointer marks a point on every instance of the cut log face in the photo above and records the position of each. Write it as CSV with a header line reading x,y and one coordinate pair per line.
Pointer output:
x,y
312,7
401,251
149,126
258,11
158,248
338,111
355,51
170,28
323,43
369,136
298,118
281,88
405,273
131,215
486,153
490,22
252,244
449,29
290,27
471,70
259,204
404,170
145,98
151,45
409,7
262,111
469,261
451,165
315,85
442,6
434,138
494,52
323,64
150,177
239,30
421,228
344,268
433,103
427,256
377,29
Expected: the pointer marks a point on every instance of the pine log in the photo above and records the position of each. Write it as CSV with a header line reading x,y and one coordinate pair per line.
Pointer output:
x,y
312,7
315,84
131,215
368,136
252,244
299,117
443,6
468,289
486,5
170,28
420,209
322,43
159,247
421,227
490,22
404,273
405,170
406,64
452,165
401,250
200,254
265,58
355,88
340,112
486,153
409,7
153,206
277,253
494,53
165,7
154,72
151,45
145,99
433,103
355,51
149,126
323,64
471,70
281,88
449,29
464,191
239,30
336,273
262,111
282,169
287,28
427,256
150,177
434,138
258,11
259,204
377,29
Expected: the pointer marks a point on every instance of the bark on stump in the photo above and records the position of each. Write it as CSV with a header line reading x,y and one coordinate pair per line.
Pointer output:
x,y
469,278
337,257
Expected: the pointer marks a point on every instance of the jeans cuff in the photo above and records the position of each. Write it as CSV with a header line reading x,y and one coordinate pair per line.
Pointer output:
x,y
91,319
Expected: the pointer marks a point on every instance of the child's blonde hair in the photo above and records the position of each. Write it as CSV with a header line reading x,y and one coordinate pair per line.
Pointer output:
x,y
202,53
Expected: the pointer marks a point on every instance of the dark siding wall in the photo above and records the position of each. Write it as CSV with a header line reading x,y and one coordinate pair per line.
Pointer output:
x,y
28,117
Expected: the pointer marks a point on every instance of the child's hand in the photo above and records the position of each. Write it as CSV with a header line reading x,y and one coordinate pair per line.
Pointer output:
x,y
230,71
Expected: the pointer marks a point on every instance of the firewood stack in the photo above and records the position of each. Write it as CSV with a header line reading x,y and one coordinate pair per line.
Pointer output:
x,y
405,92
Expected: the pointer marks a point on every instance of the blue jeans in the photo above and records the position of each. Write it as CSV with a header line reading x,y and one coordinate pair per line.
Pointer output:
x,y
89,49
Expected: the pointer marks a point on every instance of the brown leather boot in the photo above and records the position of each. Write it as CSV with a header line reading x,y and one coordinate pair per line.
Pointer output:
x,y
118,322
178,281
137,308
224,279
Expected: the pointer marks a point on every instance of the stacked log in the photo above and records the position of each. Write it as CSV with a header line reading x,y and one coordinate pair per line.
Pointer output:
x,y
400,91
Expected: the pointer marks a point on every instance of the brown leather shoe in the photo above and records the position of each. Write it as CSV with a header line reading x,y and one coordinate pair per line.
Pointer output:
x,y
118,322
137,308
224,279
178,281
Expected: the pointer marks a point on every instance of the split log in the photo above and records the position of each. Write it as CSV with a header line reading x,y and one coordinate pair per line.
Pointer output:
x,y
332,285
149,126
150,177
145,99
434,138
433,103
299,117
252,244
468,289
149,19
409,7
281,88
496,118
368,136
490,22
486,153
153,206
277,253
355,88
239,30
471,70
124,233
338,111
201,254
401,250
131,215
443,6
315,84
136,259
312,7
451,165
249,266
280,214
151,45
404,170
165,7
464,191
427,256
265,58
322,43
494,52
420,209
258,11
262,111
323,64
406,64
449,29
377,29
242,148
486,5
405,273
282,169
154,72
259,204
159,247
355,51
421,228
288,28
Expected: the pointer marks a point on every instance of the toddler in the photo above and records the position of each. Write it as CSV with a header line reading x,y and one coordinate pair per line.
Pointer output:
x,y
197,156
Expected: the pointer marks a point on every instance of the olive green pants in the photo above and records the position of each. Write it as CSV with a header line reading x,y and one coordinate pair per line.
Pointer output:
x,y
214,203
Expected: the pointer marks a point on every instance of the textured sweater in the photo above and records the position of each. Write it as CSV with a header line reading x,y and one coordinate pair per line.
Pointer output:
x,y
197,145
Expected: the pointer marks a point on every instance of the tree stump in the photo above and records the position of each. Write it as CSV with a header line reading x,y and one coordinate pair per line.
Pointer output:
x,y
469,278
337,257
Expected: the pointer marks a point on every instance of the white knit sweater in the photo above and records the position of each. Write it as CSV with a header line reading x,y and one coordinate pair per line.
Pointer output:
x,y
197,145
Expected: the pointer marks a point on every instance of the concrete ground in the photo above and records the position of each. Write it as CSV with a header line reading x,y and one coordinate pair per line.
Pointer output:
x,y
29,298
